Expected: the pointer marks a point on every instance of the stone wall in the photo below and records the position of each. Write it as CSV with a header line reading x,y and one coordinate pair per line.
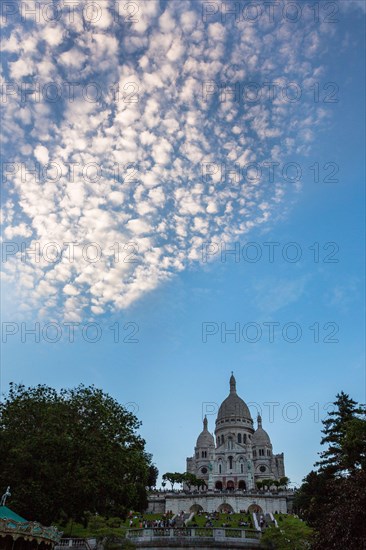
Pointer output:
x,y
156,505
179,502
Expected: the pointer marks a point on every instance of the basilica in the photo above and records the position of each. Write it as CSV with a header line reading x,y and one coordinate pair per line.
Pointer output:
x,y
230,462
238,455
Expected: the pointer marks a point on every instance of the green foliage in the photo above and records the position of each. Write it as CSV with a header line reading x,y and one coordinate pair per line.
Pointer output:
x,y
67,452
96,522
173,478
115,523
345,436
193,481
333,500
233,519
342,522
283,481
312,496
153,473
268,483
292,534
189,479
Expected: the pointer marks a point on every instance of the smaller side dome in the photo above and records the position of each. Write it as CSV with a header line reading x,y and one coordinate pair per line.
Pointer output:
x,y
260,436
205,439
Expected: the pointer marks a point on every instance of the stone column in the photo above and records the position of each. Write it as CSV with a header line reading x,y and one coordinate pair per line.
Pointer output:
x,y
210,484
250,475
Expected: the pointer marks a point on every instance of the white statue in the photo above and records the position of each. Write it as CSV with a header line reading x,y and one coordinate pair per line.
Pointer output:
x,y
5,496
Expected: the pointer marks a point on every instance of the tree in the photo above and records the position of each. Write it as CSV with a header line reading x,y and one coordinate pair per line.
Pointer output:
x,y
173,478
311,497
201,483
153,473
345,452
68,452
343,518
192,480
276,483
333,498
354,443
189,479
283,481
265,483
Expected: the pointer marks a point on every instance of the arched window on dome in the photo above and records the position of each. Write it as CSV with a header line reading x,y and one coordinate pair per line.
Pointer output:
x,y
220,467
222,439
244,438
254,453
268,452
239,438
230,459
261,452
241,466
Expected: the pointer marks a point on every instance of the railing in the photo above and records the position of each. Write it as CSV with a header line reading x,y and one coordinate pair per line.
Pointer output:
x,y
211,533
204,531
233,533
247,492
80,544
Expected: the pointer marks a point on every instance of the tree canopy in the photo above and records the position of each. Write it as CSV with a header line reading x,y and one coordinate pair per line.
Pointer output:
x,y
333,498
345,436
70,452
187,478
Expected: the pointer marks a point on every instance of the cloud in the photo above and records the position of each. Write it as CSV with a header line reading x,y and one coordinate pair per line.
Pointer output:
x,y
144,148
353,5
41,154
273,296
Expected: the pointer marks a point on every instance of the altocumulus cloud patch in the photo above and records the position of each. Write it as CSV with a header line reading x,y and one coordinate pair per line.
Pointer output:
x,y
142,134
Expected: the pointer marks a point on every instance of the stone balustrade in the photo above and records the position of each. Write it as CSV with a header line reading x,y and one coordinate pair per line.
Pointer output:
x,y
210,534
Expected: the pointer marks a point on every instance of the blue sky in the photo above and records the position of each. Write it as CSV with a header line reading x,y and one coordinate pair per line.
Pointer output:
x,y
172,209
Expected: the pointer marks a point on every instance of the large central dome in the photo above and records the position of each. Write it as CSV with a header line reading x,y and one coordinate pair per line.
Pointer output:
x,y
233,408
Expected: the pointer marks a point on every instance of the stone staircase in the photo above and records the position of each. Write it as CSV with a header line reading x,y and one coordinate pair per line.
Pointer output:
x,y
181,520
270,519
255,521
189,518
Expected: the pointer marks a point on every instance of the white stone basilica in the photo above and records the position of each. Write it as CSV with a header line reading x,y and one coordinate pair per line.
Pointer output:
x,y
238,455
230,463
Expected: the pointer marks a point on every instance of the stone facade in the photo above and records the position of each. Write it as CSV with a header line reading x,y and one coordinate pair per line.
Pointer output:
x,y
225,502
238,455
230,462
